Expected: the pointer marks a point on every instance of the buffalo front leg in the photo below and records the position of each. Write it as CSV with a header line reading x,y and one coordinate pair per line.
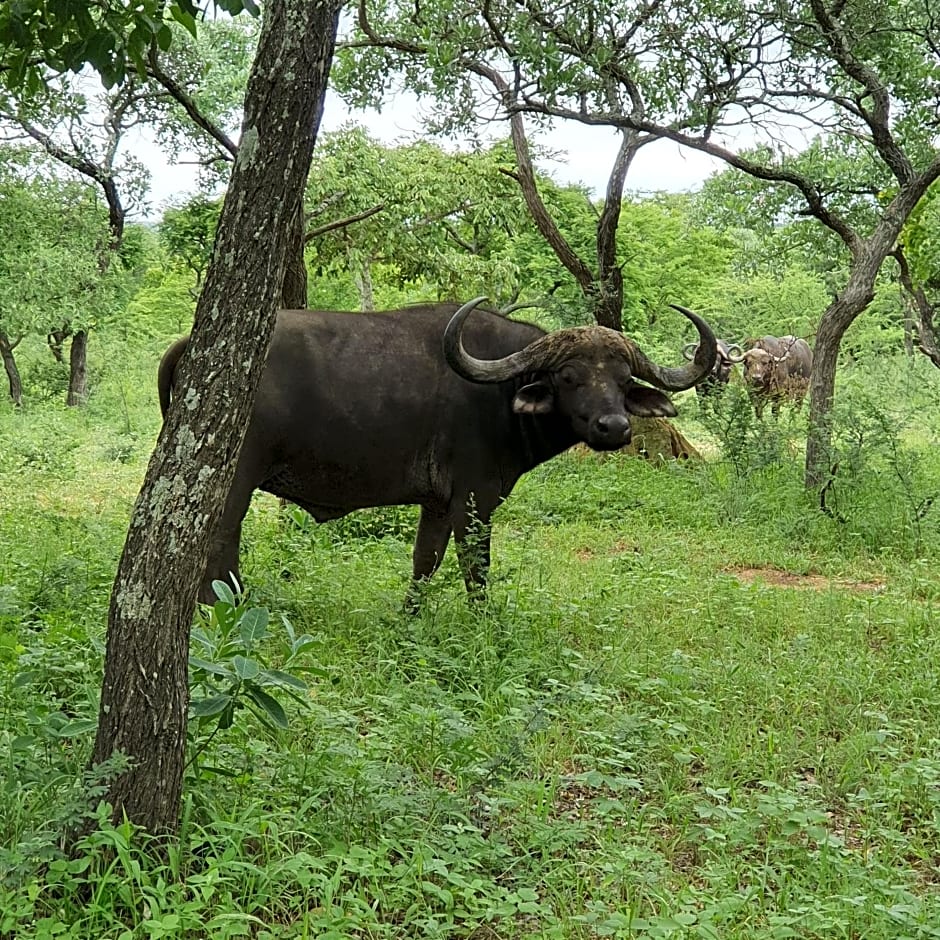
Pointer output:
x,y
430,545
472,539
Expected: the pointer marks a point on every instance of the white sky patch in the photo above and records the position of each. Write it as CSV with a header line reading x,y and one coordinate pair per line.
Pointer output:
x,y
581,154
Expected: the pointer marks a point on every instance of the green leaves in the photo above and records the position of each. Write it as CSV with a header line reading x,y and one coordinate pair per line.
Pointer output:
x,y
113,37
232,675
50,232
447,220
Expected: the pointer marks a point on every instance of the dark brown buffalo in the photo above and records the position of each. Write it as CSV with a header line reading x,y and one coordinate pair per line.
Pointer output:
x,y
430,406
714,383
777,369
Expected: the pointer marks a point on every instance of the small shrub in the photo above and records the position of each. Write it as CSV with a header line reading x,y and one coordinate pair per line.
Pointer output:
x,y
233,674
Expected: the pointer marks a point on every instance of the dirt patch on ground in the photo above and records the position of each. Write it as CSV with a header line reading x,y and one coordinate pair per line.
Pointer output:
x,y
586,552
777,577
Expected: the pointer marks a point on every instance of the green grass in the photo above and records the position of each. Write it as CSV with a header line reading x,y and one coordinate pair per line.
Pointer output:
x,y
646,731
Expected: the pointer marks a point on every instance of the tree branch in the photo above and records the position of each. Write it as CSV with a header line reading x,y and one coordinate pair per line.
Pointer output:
x,y
878,116
188,103
807,188
342,223
926,328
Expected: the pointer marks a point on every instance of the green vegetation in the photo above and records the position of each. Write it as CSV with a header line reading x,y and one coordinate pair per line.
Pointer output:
x,y
693,705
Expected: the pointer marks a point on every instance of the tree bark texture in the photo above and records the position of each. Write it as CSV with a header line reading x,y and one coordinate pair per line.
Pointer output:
x,y
13,373
362,275
78,369
144,696
608,288
294,293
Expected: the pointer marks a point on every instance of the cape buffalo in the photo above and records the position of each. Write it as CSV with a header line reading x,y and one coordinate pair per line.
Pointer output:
x,y
714,383
429,406
777,369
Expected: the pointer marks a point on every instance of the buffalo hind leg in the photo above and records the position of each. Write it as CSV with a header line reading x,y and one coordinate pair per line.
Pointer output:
x,y
430,544
222,563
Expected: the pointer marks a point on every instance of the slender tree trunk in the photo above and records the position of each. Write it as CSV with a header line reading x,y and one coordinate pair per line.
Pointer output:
x,y
362,274
78,372
916,301
608,288
144,697
908,335
55,340
13,373
868,256
839,316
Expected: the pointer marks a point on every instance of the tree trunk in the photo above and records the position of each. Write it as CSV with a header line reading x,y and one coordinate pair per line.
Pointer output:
x,y
55,340
294,294
144,697
13,373
908,335
839,316
916,300
608,288
868,255
78,373
362,275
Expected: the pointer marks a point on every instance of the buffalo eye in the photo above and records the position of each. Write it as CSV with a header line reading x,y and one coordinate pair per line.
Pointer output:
x,y
568,376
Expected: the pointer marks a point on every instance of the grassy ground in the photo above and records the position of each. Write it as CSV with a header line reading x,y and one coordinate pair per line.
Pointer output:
x,y
693,706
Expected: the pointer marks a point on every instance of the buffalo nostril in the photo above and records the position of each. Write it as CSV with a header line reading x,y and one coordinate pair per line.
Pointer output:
x,y
612,425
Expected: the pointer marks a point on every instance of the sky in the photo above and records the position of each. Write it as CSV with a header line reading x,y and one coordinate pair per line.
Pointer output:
x,y
584,154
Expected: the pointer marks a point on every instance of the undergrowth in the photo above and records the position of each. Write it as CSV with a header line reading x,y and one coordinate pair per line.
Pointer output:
x,y
643,732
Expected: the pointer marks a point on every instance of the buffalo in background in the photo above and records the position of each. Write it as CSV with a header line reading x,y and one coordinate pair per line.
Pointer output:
x,y
714,383
429,406
777,369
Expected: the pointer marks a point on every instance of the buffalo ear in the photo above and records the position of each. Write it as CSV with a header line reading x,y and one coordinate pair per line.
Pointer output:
x,y
647,402
535,399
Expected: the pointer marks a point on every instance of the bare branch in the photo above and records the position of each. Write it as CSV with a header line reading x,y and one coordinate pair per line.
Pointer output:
x,y
923,308
342,223
188,103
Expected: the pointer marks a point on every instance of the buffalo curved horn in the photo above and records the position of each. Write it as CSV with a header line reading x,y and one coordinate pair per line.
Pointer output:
x,y
478,370
531,358
676,380
735,356
689,351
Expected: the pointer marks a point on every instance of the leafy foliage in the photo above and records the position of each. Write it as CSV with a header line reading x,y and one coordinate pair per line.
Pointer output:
x,y
231,674
112,37
921,244
187,233
445,220
51,233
